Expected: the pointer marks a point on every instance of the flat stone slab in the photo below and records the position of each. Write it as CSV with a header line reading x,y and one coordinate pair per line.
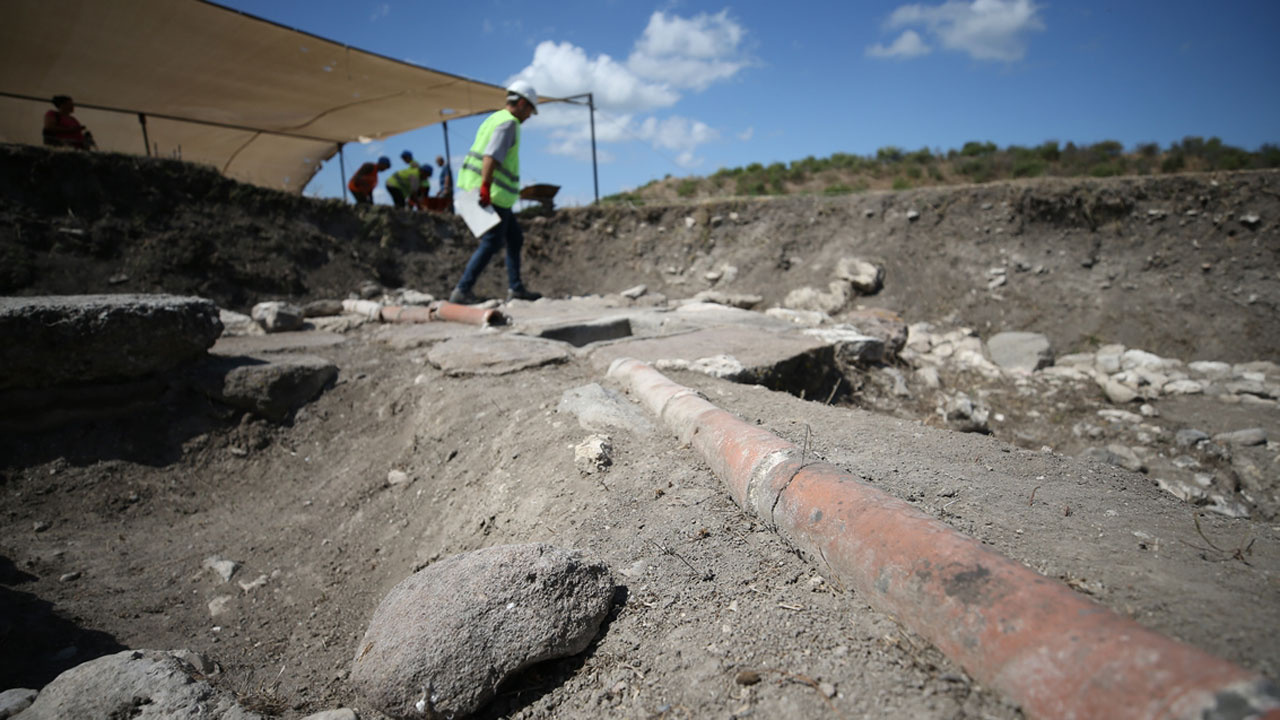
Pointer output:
x,y
495,354
73,339
271,385
276,343
757,351
409,337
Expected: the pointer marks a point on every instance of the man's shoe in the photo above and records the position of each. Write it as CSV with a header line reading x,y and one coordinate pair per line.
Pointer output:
x,y
463,297
522,294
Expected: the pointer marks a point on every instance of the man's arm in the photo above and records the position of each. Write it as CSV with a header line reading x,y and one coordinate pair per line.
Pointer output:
x,y
486,179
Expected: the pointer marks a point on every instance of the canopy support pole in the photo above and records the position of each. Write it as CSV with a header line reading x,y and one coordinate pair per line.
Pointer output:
x,y
448,159
595,173
146,142
342,168
591,105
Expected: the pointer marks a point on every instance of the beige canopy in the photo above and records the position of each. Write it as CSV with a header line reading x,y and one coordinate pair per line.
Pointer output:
x,y
263,103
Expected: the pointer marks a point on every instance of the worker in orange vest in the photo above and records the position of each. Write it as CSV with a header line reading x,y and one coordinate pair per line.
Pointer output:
x,y
365,180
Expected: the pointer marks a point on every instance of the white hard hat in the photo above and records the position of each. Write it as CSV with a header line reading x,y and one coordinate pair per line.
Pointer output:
x,y
526,91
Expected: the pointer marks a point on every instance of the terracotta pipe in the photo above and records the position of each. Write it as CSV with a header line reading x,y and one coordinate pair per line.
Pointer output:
x,y
1053,651
468,314
406,314
451,312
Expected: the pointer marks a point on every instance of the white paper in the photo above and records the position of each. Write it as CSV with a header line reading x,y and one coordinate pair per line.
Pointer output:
x,y
479,219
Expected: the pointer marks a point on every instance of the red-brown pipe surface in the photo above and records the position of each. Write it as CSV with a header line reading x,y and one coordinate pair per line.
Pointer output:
x,y
1058,654
454,312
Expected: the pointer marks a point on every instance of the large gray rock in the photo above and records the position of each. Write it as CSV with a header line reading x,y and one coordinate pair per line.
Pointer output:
x,y
1025,351
75,339
276,316
271,385
15,700
865,277
442,640
141,684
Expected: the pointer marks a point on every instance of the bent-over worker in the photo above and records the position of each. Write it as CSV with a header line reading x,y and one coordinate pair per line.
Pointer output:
x,y
362,184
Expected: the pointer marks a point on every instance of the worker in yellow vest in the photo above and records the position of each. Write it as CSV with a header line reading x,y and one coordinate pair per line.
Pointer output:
x,y
493,166
404,184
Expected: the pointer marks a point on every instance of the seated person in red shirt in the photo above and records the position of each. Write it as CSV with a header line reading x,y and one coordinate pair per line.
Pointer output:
x,y
61,129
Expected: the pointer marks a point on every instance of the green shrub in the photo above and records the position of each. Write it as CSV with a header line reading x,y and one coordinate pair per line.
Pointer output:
x,y
1048,151
975,149
901,183
1028,167
687,188
1106,169
837,190
889,154
1173,162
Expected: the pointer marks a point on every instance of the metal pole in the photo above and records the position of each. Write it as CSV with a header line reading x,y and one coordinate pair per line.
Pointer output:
x,y
146,142
448,160
342,168
595,172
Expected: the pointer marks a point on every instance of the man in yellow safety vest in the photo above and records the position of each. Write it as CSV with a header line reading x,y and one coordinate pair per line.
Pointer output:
x,y
493,165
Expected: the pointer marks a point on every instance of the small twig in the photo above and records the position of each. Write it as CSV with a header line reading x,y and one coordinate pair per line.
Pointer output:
x,y
805,452
834,388
1032,501
668,551
1195,516
806,680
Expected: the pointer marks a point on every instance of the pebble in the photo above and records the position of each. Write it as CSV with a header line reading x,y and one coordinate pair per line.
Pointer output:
x,y
747,677
41,526
69,577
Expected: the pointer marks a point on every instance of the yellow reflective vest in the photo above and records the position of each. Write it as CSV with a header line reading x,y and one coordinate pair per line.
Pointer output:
x,y
506,176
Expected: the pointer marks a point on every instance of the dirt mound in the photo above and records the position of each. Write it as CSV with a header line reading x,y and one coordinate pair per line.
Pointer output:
x,y
1180,265
109,527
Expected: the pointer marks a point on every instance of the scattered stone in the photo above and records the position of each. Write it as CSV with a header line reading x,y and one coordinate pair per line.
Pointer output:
x,y
593,455
689,222
747,677
1116,392
222,567
1250,221
827,689
369,290
69,577
1211,370
809,318
929,376
1107,359
1189,437
276,316
40,525
738,300
1025,351
398,477
444,639
912,216
865,277
322,308
962,414
809,298
886,325
134,683
712,275
851,346
1118,455
1242,438
15,701
1182,387
1181,489
220,607
236,324
598,408
256,583
199,661
272,386
717,220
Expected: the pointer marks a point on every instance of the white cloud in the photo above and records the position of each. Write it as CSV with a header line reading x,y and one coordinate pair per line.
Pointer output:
x,y
689,52
746,135
673,55
985,29
908,45
380,11
563,69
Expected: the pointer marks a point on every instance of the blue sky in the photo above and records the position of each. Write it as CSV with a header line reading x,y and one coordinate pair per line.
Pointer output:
x,y
686,87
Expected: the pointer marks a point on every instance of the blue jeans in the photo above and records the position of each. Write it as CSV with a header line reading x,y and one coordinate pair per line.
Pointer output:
x,y
506,233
